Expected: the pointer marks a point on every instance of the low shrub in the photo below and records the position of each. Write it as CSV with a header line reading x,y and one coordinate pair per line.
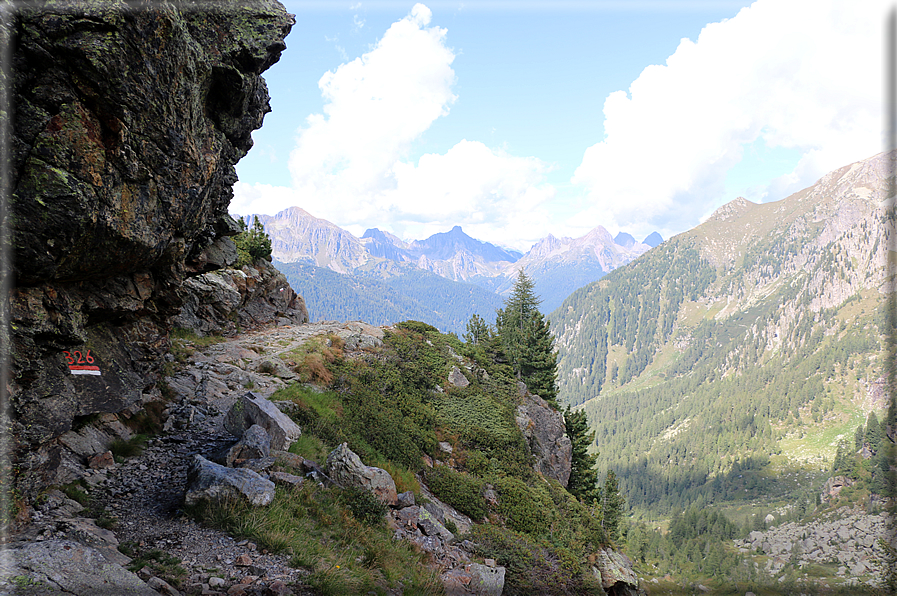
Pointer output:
x,y
130,448
525,509
364,505
462,491
533,566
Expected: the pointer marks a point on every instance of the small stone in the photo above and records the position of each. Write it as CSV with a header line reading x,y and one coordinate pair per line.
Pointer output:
x,y
278,588
236,591
243,561
101,460
490,562
216,582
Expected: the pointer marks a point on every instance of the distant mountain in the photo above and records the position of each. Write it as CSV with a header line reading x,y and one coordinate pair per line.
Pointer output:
x,y
385,245
758,332
623,239
298,236
653,240
558,266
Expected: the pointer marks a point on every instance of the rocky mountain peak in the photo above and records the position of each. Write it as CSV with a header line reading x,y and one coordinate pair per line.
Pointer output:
x,y
732,209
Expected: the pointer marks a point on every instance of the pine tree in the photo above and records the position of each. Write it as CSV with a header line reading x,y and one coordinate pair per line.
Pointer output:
x,y
583,478
613,503
477,330
527,342
252,243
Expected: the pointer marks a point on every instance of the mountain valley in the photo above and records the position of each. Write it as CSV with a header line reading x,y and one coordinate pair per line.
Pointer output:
x,y
304,245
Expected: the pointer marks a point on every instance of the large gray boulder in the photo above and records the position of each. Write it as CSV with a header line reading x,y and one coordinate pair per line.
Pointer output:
x,y
346,468
615,572
66,567
252,409
208,481
543,428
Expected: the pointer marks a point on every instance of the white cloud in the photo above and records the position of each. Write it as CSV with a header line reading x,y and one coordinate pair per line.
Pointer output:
x,y
799,74
376,105
349,164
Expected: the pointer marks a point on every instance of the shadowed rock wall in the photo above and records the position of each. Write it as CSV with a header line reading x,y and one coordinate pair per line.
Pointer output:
x,y
128,120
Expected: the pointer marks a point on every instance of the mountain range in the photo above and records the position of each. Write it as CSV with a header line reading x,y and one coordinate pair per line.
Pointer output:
x,y
384,279
749,344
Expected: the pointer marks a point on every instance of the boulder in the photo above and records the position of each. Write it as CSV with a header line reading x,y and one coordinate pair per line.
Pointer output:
x,y
431,526
543,428
208,481
346,468
68,567
474,578
405,499
615,572
252,409
457,378
254,444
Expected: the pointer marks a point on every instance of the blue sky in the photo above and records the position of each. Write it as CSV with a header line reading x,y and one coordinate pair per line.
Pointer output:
x,y
520,119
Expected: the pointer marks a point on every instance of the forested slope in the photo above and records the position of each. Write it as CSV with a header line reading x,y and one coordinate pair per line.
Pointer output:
x,y
757,334
413,294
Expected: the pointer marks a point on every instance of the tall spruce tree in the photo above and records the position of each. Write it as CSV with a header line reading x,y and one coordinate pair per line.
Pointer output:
x,y
612,506
583,483
526,339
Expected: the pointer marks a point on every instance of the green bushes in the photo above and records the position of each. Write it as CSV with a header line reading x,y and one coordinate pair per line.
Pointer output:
x,y
525,509
533,566
462,491
364,505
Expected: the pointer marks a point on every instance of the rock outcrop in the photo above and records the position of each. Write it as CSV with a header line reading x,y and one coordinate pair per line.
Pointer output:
x,y
127,127
544,430
208,481
346,468
223,302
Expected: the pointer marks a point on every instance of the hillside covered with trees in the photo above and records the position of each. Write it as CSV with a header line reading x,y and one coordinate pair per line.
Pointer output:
x,y
738,349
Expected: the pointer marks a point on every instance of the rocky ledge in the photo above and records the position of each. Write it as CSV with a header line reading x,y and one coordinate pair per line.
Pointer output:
x,y
128,124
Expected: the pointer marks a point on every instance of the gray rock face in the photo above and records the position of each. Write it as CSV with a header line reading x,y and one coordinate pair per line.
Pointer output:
x,y
208,481
217,301
615,571
346,468
128,123
544,431
67,567
252,409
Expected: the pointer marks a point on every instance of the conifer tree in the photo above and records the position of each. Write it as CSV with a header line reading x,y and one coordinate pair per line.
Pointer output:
x,y
612,506
526,339
583,477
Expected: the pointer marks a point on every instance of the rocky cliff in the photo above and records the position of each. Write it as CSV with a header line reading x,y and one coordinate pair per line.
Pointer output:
x,y
127,127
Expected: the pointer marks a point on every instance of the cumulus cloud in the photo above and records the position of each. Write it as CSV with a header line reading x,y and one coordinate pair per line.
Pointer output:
x,y
349,164
798,74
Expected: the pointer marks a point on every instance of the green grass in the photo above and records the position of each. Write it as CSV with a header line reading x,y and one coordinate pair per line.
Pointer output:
x,y
317,529
162,564
122,450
